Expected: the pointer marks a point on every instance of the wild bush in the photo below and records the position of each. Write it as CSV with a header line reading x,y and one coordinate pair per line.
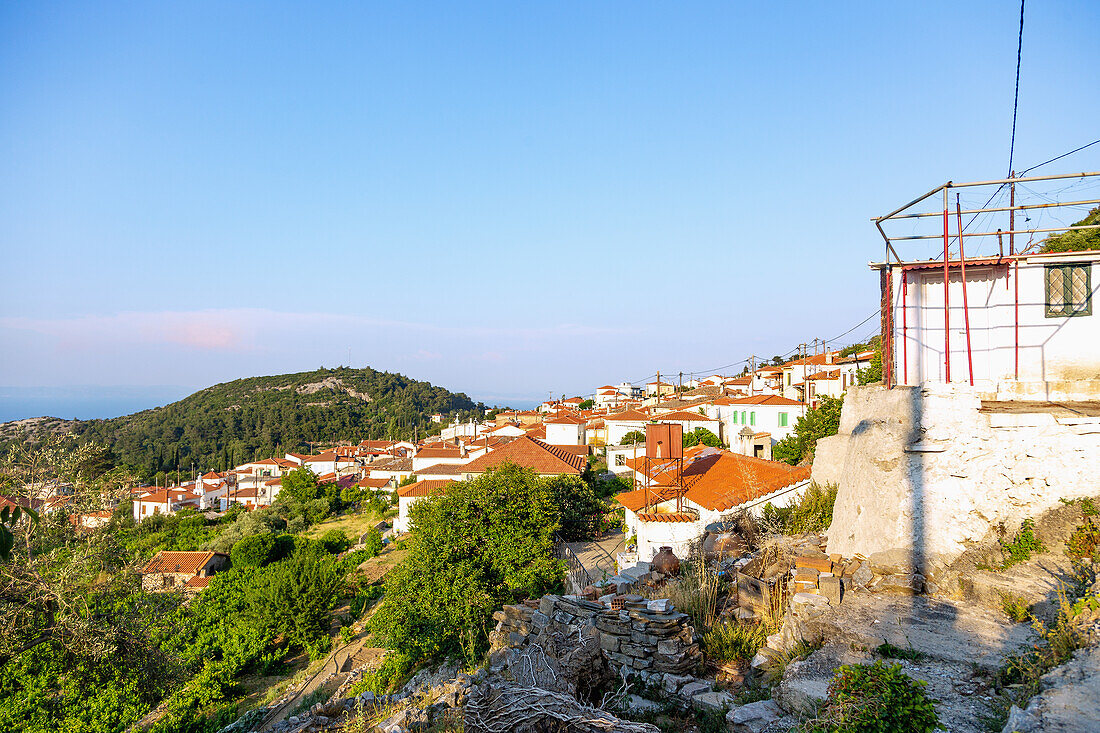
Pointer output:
x,y
1025,543
335,541
730,641
813,512
874,698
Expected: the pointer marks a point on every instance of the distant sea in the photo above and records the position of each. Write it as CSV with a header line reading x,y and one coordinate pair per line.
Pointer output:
x,y
85,402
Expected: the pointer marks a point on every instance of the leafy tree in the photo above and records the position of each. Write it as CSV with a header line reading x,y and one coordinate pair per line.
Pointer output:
x,y
587,405
335,541
634,436
483,543
819,422
300,485
703,436
1080,240
873,372
254,551
373,542
579,508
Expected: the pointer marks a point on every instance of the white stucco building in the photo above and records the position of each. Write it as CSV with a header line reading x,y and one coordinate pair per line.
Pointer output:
x,y
1033,328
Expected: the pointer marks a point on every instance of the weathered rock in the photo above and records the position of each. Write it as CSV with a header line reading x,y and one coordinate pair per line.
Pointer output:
x,y
691,689
831,590
671,683
713,701
798,694
1069,701
754,717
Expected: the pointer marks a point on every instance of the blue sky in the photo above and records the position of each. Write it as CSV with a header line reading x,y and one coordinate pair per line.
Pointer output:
x,y
504,199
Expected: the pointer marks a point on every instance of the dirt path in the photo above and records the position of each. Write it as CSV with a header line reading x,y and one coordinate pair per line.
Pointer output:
x,y
598,557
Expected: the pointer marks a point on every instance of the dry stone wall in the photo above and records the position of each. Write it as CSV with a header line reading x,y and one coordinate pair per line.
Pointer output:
x,y
635,634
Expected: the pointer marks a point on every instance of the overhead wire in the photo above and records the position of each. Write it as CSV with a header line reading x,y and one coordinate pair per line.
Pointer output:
x,y
1016,96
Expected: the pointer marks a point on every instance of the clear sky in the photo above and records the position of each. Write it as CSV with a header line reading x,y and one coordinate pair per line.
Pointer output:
x,y
504,198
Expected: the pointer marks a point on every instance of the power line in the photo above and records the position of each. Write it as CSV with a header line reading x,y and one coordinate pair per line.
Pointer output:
x,y
1058,157
1016,98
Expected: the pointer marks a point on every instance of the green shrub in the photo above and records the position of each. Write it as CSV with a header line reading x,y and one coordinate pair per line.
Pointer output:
x,y
730,640
1015,607
335,541
874,698
373,542
483,543
255,551
1022,545
813,512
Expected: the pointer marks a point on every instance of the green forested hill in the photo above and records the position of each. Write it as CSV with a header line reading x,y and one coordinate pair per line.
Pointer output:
x,y
230,423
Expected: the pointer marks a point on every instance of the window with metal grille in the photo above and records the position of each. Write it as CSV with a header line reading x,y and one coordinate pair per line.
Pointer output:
x,y
1069,290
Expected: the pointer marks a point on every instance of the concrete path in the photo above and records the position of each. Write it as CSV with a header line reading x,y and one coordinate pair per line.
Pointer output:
x,y
598,556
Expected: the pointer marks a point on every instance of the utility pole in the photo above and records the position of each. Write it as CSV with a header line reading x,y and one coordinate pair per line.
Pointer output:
x,y
752,374
680,394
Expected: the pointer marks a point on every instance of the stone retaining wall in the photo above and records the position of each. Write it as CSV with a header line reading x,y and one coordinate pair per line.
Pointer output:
x,y
641,636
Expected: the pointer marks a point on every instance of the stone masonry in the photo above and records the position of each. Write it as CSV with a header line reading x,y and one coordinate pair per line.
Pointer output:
x,y
637,635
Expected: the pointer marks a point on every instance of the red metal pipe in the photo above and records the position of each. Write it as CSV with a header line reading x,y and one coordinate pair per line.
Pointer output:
x,y
1016,308
946,299
966,312
904,326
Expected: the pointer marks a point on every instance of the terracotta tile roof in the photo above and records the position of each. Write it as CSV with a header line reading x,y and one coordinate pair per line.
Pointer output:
x,y
442,469
668,517
426,487
374,483
566,418
188,563
683,416
398,465
326,456
724,480
199,582
439,453
628,416
638,499
530,453
538,432
274,482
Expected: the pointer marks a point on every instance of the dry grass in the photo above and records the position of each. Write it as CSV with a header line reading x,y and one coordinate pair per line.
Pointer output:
x,y
695,592
353,525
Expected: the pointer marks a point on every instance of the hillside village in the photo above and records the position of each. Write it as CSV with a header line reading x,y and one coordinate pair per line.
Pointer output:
x,y
895,530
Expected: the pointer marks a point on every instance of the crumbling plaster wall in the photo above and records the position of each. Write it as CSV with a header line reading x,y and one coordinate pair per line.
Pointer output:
x,y
923,473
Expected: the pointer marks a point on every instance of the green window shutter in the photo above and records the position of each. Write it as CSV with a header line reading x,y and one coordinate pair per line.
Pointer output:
x,y
743,416
735,418
752,419
782,419
1068,290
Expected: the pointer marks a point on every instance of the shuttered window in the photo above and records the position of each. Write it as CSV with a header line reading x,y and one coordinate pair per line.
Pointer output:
x,y
782,419
1069,290
752,419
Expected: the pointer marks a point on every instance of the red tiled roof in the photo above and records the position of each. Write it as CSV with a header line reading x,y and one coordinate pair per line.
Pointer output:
x,y
439,453
427,487
724,480
566,418
189,563
374,483
527,452
668,517
683,416
199,582
628,416
641,498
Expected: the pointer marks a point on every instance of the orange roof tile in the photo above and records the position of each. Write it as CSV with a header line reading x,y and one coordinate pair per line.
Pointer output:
x,y
426,487
180,562
763,399
527,452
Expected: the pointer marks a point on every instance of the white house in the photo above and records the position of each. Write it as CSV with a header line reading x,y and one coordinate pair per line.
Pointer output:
x,y
395,470
770,414
714,483
566,429
621,423
409,495
1030,329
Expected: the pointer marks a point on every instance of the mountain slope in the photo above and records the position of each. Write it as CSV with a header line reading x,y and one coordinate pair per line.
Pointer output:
x,y
258,417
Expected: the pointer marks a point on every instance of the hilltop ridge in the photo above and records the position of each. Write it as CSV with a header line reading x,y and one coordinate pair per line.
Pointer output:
x,y
224,424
